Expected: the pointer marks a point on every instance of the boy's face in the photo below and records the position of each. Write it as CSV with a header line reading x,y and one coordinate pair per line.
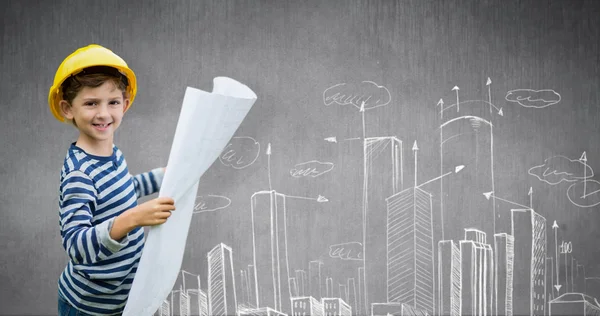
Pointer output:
x,y
97,111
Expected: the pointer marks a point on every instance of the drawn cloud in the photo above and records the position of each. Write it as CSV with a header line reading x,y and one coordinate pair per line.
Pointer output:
x,y
533,98
584,195
240,153
311,168
346,251
210,203
560,168
371,93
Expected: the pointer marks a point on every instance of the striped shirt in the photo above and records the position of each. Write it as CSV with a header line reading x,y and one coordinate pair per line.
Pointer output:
x,y
93,191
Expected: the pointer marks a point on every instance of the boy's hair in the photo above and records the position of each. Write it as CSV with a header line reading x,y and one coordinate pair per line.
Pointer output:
x,y
92,78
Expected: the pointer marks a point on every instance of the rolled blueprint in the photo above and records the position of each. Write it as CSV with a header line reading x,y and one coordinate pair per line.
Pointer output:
x,y
206,124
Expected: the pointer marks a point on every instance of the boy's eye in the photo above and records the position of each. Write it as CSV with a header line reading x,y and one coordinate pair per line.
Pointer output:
x,y
90,103
115,102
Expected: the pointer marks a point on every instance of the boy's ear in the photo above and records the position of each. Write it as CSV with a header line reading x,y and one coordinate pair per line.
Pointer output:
x,y
125,104
66,109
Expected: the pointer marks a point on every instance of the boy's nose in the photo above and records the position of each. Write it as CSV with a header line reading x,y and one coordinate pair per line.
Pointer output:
x,y
102,111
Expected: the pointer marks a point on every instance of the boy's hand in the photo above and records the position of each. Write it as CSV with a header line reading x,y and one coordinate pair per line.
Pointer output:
x,y
153,212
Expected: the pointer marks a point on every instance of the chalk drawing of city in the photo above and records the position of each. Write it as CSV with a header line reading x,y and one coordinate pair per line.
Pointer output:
x,y
401,268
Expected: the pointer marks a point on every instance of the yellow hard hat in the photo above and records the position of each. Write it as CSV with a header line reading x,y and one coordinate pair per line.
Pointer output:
x,y
85,57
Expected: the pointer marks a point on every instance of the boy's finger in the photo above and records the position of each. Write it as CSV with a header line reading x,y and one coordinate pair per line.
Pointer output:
x,y
166,200
167,208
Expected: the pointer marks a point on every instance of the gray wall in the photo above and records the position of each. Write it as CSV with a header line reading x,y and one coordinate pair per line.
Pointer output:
x,y
290,53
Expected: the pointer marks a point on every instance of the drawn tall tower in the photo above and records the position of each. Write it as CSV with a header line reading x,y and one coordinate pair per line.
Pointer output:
x,y
382,179
579,279
449,278
410,249
504,259
315,280
221,282
550,289
269,245
529,232
477,276
466,139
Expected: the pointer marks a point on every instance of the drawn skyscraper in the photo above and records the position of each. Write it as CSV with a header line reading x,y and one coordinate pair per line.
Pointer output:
x,y
315,279
164,309
592,287
382,179
329,286
579,279
574,304
251,275
221,282
360,308
269,245
466,138
410,249
306,306
245,299
302,282
550,282
449,270
343,292
294,287
178,302
477,274
572,273
352,293
504,259
263,311
194,302
529,232
336,307
566,258
396,309
198,302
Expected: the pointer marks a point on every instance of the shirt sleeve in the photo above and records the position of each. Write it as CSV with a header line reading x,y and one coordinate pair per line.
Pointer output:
x,y
85,243
148,182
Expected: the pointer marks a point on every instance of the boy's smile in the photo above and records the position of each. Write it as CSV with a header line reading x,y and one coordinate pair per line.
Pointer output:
x,y
97,112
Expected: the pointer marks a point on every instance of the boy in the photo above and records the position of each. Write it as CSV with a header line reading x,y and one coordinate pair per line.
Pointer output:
x,y
101,224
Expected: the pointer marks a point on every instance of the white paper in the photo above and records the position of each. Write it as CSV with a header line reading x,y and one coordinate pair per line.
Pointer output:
x,y
207,122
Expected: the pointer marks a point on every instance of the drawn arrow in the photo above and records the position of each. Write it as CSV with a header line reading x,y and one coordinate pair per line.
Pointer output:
x,y
415,148
557,286
490,194
331,139
456,88
364,127
441,105
489,101
488,84
269,165
583,159
322,199
457,169
319,199
500,111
